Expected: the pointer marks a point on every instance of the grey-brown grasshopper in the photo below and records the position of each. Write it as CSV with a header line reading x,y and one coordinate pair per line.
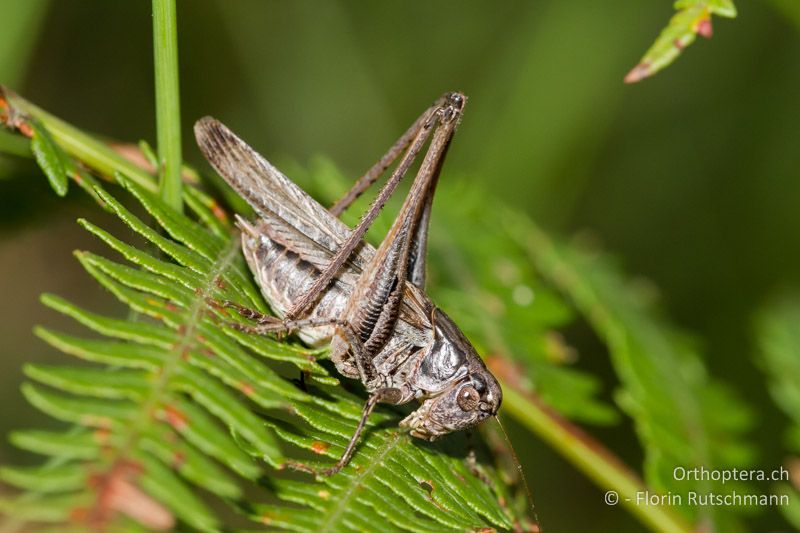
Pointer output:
x,y
328,285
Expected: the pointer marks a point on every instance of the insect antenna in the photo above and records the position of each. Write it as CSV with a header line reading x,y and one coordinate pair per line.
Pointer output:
x,y
518,466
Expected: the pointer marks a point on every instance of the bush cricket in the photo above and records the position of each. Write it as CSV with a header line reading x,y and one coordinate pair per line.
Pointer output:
x,y
327,284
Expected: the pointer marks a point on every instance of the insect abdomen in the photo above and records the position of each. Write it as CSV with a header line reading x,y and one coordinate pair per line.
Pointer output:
x,y
284,276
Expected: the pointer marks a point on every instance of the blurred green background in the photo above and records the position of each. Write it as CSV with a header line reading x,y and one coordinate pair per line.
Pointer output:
x,y
690,178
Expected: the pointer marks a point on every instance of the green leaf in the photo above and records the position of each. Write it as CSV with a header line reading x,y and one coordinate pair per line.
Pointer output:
x,y
166,487
148,153
199,429
50,157
693,18
85,412
101,383
64,478
113,353
196,238
49,509
193,465
208,212
144,333
76,445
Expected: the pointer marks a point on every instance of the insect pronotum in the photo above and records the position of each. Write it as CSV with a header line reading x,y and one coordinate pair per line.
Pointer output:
x,y
327,284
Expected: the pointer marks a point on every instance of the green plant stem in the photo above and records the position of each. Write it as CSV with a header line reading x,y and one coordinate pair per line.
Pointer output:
x,y
168,115
83,147
590,458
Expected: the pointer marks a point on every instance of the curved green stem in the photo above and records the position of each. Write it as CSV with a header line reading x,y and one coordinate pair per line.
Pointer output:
x,y
588,456
83,147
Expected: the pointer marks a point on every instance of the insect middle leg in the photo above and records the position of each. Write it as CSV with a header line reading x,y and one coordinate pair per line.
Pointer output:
x,y
268,323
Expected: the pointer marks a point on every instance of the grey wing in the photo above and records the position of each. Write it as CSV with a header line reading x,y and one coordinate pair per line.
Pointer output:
x,y
294,218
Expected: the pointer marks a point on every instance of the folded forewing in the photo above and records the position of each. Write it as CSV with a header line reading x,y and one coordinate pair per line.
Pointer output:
x,y
283,205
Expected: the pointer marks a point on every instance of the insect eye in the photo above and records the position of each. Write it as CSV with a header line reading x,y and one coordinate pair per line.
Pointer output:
x,y
468,398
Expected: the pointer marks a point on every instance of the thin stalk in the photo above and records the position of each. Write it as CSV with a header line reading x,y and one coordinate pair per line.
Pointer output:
x,y
83,147
168,115
621,485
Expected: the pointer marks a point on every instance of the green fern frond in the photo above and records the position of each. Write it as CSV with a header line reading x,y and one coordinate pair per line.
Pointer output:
x,y
176,400
177,407
676,406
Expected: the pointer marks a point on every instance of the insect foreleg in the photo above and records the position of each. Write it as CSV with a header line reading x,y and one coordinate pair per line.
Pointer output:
x,y
388,395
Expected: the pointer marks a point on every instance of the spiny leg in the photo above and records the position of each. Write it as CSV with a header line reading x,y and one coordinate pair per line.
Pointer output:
x,y
246,312
388,394
374,306
363,361
417,268
446,114
381,283
271,324
267,323
365,181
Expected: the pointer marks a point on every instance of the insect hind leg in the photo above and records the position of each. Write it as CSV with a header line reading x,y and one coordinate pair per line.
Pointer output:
x,y
267,323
